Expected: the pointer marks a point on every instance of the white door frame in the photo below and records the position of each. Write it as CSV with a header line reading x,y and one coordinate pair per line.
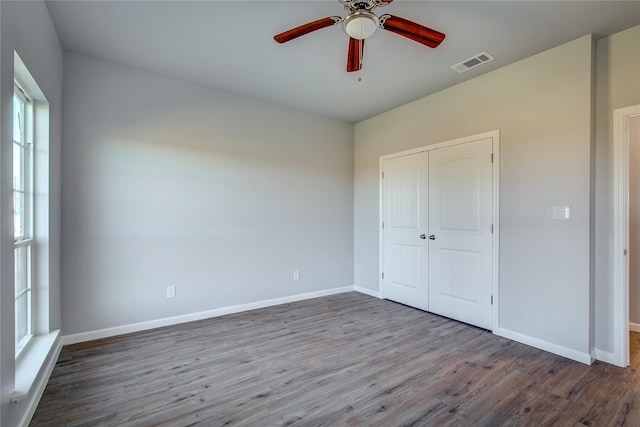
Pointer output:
x,y
495,136
621,118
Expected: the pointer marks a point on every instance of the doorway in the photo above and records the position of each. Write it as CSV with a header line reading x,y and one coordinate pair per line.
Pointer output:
x,y
439,237
625,134
634,236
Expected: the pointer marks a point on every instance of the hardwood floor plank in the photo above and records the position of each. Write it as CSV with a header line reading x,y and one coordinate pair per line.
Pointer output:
x,y
342,360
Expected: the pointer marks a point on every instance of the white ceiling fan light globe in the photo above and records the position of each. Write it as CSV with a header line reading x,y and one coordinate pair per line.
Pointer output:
x,y
361,24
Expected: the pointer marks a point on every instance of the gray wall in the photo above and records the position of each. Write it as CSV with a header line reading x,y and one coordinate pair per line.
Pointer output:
x,y
168,183
617,86
26,28
634,221
542,106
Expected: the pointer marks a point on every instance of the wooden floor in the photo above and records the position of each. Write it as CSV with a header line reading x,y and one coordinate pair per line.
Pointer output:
x,y
634,349
342,360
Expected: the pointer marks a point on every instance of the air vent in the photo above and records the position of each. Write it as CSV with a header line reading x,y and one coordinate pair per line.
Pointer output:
x,y
473,62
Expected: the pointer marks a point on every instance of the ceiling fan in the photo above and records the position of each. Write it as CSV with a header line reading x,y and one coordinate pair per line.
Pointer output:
x,y
360,23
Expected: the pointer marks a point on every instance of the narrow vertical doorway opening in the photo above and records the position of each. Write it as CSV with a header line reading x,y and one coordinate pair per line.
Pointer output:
x,y
626,222
634,237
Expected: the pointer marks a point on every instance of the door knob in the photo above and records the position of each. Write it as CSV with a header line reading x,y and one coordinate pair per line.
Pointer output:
x,y
423,236
432,237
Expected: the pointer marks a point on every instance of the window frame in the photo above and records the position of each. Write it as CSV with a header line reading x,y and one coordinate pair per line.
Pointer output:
x,y
25,241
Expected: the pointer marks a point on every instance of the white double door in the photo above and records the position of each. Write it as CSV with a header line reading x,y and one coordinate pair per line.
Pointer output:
x,y
437,232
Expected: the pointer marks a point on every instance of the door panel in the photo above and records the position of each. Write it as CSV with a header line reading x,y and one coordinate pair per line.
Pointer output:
x,y
405,260
460,218
459,203
459,274
405,265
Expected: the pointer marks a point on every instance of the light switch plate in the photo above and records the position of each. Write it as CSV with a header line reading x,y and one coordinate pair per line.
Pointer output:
x,y
171,291
562,213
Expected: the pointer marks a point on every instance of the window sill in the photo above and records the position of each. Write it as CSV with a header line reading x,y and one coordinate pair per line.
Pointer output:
x,y
32,362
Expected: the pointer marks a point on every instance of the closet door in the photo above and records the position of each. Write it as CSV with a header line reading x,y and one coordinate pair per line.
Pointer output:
x,y
404,245
460,232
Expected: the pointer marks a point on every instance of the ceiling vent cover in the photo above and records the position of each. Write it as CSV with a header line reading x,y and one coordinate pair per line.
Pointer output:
x,y
473,62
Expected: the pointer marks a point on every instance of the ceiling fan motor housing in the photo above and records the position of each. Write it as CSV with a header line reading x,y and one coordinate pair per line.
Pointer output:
x,y
360,24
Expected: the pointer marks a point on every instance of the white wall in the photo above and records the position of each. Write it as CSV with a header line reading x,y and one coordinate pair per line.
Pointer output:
x,y
26,28
542,106
168,183
634,220
617,86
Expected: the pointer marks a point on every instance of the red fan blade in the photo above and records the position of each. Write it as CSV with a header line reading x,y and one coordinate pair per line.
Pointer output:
x,y
411,30
354,57
306,29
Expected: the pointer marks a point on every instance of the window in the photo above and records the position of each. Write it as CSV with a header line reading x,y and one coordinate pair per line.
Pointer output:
x,y
22,215
34,340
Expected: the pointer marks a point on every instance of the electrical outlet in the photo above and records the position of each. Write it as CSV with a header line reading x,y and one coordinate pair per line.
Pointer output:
x,y
296,275
171,291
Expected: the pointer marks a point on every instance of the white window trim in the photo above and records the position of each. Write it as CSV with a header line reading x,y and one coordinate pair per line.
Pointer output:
x,y
27,238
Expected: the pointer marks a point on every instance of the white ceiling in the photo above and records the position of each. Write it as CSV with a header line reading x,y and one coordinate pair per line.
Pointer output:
x,y
228,45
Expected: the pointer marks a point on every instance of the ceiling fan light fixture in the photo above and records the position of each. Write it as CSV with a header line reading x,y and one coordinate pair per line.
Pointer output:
x,y
360,24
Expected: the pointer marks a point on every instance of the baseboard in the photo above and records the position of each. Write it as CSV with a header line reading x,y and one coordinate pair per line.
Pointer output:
x,y
569,353
634,327
606,356
367,291
168,321
36,391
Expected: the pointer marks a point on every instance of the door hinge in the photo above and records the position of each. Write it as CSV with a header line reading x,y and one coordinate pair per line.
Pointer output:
x,y
491,299
491,157
383,275
382,175
625,252
383,225
491,228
